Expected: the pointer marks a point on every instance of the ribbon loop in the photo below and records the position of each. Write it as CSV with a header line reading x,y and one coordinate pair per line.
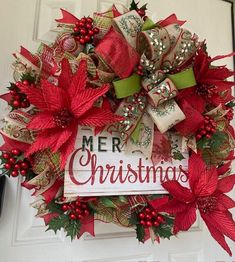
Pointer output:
x,y
166,115
154,43
132,109
184,79
168,47
127,87
117,53
162,92
129,24
142,137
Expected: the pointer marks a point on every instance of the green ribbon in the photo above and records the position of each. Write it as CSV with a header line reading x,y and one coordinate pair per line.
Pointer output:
x,y
136,133
148,24
127,87
183,79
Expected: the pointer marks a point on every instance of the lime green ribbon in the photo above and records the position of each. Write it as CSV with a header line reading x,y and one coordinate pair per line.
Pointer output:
x,y
136,133
148,24
183,79
127,87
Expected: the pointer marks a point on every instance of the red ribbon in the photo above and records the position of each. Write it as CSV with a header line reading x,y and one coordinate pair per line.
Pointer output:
x,y
67,18
188,126
116,13
51,192
10,144
49,64
6,97
117,53
172,19
48,217
87,225
29,56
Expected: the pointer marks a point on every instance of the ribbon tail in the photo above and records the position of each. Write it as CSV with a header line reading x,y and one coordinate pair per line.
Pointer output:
x,y
29,56
6,97
172,19
67,18
87,227
142,137
51,192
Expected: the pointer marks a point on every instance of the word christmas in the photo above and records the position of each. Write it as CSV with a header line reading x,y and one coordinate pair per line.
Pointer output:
x,y
99,166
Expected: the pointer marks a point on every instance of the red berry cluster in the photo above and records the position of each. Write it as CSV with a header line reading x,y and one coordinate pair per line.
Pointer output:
x,y
140,70
84,30
149,217
14,165
230,114
76,210
19,100
207,129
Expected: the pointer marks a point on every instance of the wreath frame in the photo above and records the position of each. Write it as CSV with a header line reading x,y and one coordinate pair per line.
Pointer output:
x,y
75,58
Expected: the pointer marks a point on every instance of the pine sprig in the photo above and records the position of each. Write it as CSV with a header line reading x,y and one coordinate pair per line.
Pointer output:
x,y
28,77
134,5
54,207
133,220
73,228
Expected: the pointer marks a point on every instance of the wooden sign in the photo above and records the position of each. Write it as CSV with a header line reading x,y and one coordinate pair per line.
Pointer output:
x,y
100,166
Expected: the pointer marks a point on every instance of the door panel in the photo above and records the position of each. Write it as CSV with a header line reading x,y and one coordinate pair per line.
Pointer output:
x,y
22,237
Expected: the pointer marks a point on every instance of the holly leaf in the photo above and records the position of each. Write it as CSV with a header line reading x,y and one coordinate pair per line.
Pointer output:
x,y
57,223
134,5
177,155
140,233
73,228
165,229
163,232
144,7
28,77
12,86
54,207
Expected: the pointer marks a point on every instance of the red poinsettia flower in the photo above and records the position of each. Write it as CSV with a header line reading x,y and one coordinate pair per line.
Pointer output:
x,y
63,108
211,83
207,194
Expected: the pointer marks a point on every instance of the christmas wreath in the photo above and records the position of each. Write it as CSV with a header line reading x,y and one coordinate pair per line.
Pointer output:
x,y
148,82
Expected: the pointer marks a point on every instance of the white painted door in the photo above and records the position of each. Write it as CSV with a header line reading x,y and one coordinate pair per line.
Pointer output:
x,y
22,237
